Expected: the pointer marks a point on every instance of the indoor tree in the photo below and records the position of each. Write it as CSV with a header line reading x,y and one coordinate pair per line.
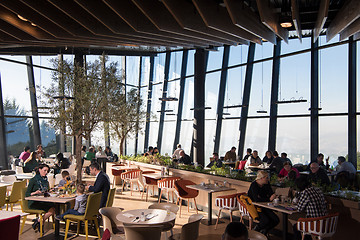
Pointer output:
x,y
78,98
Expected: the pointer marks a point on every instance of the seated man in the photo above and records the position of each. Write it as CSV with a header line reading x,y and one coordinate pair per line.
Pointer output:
x,y
176,154
184,158
276,163
230,155
215,161
320,160
248,154
318,175
346,173
253,160
311,201
102,183
235,231
260,191
284,157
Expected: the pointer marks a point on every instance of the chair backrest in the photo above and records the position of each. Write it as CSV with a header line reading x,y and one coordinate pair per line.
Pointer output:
x,y
51,180
8,178
2,196
322,226
142,232
190,230
247,203
182,190
71,169
109,217
93,205
116,172
16,191
165,206
133,174
24,203
168,182
254,235
19,170
111,196
282,191
228,201
9,227
58,178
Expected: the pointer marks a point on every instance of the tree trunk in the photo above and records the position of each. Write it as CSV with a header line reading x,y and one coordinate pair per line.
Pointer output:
x,y
78,158
121,147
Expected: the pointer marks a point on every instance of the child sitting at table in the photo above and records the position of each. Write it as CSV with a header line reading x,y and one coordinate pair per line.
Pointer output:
x,y
65,179
80,203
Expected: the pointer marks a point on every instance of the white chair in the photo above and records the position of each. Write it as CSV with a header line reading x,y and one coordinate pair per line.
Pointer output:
x,y
320,227
51,180
67,155
9,179
227,202
58,178
19,170
244,213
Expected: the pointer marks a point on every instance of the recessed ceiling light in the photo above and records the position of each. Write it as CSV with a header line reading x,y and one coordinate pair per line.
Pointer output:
x,y
286,24
22,18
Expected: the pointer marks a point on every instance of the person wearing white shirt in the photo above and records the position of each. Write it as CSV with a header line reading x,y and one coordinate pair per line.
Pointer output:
x,y
176,154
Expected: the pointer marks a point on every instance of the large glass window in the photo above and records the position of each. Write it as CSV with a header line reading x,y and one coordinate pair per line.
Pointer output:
x,y
256,138
295,141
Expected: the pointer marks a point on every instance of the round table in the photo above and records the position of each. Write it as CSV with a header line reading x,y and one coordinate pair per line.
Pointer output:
x,y
158,216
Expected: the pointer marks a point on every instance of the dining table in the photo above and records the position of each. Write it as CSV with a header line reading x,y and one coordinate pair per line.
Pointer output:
x,y
150,217
210,189
284,208
8,214
5,184
58,202
156,176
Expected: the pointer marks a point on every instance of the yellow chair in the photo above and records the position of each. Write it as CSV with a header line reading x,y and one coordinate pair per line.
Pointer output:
x,y
15,195
91,212
25,208
2,196
111,196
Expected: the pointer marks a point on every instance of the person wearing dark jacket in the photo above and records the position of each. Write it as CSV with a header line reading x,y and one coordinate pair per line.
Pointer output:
x,y
184,158
102,183
268,157
276,163
260,191
318,175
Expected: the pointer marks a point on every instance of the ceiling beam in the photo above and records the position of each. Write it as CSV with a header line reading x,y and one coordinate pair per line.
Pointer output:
x,y
270,19
188,18
346,15
164,21
321,18
14,20
243,17
135,18
350,30
356,36
296,18
217,17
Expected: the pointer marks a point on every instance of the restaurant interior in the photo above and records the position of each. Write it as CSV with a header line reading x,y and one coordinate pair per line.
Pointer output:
x,y
179,119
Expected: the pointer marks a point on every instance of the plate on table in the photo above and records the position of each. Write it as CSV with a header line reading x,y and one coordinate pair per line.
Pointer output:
x,y
65,196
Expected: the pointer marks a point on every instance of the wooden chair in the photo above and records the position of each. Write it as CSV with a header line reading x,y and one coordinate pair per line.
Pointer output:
x,y
25,208
15,196
147,182
91,212
167,185
131,177
185,193
116,173
244,212
2,196
320,227
227,202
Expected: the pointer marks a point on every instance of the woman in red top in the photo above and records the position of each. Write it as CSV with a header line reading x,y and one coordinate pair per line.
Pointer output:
x,y
286,169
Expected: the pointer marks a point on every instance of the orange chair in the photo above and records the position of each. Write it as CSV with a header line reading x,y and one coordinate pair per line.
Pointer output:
x,y
131,177
167,185
227,202
244,212
184,192
320,227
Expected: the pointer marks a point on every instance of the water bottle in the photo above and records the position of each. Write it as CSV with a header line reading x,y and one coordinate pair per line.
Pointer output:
x,y
142,217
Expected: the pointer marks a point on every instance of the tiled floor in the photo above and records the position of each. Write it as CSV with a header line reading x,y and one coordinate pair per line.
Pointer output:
x,y
124,200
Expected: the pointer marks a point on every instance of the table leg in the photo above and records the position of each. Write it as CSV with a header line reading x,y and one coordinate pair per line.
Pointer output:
x,y
159,194
209,208
285,226
57,222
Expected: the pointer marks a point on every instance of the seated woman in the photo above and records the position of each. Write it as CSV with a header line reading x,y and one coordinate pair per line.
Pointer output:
x,y
31,163
62,163
286,169
260,191
38,185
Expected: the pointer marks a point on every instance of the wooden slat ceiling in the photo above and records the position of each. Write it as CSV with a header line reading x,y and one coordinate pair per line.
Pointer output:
x,y
143,27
